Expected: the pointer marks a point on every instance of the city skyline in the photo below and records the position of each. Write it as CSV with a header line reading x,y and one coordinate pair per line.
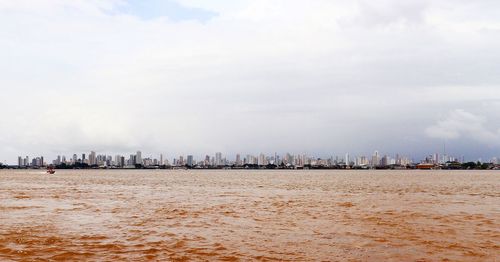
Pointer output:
x,y
219,159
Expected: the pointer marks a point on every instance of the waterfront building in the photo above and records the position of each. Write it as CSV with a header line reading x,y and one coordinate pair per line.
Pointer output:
x,y
92,158
190,160
218,159
375,159
147,162
238,160
138,158
262,160
132,160
384,161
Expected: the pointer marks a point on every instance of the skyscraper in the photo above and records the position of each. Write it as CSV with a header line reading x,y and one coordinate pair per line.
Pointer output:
x,y
218,159
92,158
384,161
132,160
238,160
138,158
190,160
375,159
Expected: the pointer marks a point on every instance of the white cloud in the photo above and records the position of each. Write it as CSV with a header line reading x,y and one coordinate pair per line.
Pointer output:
x,y
324,76
465,125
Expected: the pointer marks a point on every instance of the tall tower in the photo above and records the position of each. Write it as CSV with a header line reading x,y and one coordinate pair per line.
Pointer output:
x,y
92,158
375,159
138,158
190,160
218,159
238,160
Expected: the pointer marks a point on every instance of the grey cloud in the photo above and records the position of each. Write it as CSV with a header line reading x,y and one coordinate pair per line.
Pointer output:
x,y
316,77
460,123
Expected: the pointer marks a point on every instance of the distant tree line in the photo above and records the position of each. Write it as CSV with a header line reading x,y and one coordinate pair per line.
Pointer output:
x,y
77,165
477,165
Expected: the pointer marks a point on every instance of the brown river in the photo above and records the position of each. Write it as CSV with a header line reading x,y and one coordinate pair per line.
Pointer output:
x,y
222,215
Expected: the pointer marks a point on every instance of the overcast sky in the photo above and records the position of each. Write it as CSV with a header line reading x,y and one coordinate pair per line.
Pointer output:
x,y
321,77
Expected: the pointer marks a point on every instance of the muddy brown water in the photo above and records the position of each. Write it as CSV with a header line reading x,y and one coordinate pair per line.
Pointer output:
x,y
166,215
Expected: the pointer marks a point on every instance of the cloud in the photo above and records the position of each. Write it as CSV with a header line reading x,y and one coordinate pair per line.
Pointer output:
x,y
460,124
266,75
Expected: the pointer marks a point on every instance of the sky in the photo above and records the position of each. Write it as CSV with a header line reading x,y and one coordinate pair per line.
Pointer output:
x,y
319,77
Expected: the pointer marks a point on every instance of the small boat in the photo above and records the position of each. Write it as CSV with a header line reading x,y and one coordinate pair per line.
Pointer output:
x,y
50,170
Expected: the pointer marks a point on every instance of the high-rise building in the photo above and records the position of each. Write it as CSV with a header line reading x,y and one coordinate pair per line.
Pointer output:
x,y
92,158
362,161
147,161
132,160
118,160
384,161
20,161
39,161
375,159
238,160
138,158
190,160
261,160
218,159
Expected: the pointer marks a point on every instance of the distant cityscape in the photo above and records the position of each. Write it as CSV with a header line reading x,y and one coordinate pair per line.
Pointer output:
x,y
261,161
